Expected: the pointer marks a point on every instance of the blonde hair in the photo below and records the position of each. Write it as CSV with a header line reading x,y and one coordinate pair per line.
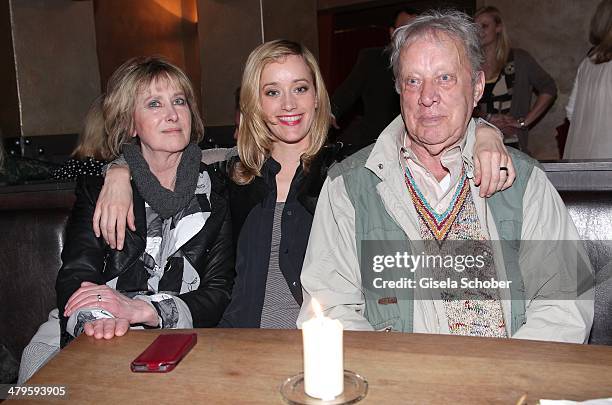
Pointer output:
x,y
502,44
92,140
124,86
600,34
254,137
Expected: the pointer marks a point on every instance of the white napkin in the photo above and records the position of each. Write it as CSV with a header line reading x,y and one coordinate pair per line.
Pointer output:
x,y
602,401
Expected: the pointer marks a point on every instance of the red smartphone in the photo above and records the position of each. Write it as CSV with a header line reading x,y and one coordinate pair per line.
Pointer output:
x,y
164,353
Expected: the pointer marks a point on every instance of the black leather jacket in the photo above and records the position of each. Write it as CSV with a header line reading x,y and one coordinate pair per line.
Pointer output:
x,y
253,208
87,258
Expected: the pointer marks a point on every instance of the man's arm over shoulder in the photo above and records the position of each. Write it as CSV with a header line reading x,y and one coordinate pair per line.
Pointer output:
x,y
555,268
331,268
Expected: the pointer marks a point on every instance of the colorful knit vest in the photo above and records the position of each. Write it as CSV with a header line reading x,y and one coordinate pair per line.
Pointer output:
x,y
469,312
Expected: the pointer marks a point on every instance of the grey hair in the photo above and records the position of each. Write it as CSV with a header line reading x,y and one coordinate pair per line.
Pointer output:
x,y
453,23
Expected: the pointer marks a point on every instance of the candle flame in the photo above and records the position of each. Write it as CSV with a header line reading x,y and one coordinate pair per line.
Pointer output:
x,y
316,307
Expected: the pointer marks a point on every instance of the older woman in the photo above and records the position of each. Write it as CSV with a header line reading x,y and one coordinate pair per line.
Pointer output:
x,y
276,180
511,75
176,268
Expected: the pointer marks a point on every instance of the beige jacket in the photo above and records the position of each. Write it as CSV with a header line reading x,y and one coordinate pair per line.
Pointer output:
x,y
331,271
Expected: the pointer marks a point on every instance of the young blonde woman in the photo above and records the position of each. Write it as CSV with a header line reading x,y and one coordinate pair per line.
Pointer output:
x,y
276,179
511,76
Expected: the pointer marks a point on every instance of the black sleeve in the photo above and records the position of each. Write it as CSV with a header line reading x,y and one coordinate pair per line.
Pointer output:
x,y
216,263
83,254
351,88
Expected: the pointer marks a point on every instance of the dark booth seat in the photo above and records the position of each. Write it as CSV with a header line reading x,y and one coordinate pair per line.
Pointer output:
x,y
586,189
32,219
592,214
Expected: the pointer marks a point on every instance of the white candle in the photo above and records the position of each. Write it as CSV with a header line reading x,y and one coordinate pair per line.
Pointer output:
x,y
323,362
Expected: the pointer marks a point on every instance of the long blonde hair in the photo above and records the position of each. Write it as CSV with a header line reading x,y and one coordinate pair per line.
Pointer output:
x,y
502,43
254,137
92,140
600,34
123,88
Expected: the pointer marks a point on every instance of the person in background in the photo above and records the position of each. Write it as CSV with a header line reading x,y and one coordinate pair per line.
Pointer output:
x,y
371,82
275,181
590,106
511,76
177,267
91,153
412,192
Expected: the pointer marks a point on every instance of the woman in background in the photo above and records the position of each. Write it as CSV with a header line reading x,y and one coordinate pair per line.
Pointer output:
x,y
91,153
511,75
590,106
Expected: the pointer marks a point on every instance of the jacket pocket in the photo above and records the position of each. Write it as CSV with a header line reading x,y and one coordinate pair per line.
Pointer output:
x,y
386,326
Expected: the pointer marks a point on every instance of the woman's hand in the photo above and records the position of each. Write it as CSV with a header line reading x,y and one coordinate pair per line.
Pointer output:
x,y
490,154
101,296
106,328
114,207
502,120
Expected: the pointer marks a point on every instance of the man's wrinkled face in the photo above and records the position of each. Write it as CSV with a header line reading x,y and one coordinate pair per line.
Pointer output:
x,y
436,91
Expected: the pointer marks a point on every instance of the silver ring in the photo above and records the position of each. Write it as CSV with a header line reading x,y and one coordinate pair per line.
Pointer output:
x,y
503,168
99,298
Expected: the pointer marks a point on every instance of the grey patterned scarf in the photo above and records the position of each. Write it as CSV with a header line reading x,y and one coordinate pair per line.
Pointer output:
x,y
165,202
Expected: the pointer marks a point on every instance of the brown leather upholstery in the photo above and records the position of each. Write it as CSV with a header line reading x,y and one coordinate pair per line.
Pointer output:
x,y
31,225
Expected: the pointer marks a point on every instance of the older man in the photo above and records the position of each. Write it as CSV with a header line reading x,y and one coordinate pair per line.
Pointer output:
x,y
368,259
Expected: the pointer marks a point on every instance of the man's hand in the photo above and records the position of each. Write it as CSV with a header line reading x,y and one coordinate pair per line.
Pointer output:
x,y
114,207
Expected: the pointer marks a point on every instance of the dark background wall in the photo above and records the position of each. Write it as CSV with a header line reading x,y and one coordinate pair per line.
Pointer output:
x,y
125,29
56,67
229,30
58,54
9,102
78,44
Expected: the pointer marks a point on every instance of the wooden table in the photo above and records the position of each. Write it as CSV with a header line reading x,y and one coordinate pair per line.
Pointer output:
x,y
247,366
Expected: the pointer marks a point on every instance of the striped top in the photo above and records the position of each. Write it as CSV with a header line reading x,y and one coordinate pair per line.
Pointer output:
x,y
280,310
